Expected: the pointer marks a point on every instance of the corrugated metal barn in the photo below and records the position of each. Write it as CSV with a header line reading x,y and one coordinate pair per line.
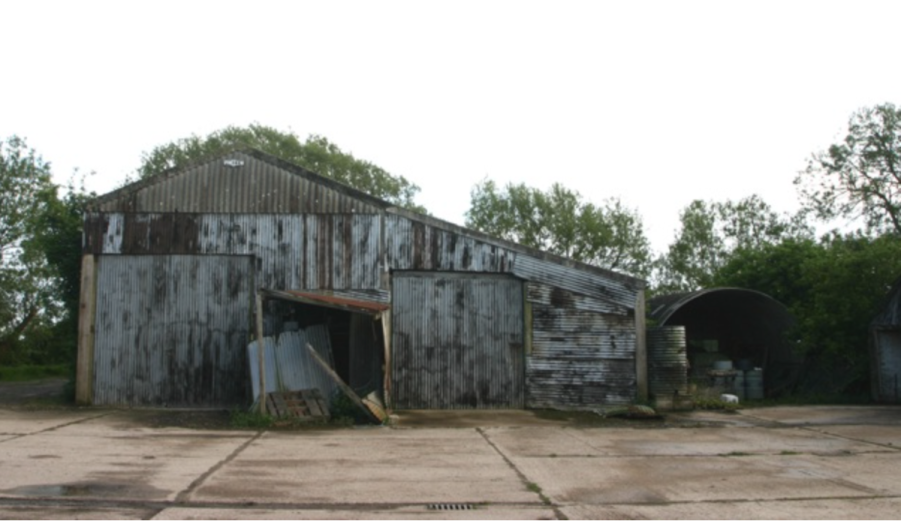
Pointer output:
x,y
173,264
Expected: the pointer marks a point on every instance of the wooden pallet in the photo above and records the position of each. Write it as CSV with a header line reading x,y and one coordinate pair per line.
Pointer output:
x,y
306,404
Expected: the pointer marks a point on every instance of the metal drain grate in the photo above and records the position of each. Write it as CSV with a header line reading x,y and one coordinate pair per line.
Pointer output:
x,y
451,506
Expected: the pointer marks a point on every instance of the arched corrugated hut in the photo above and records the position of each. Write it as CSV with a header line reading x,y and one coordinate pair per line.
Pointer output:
x,y
745,326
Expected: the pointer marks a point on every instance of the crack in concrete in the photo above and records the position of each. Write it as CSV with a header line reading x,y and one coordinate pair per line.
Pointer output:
x,y
522,477
55,427
184,495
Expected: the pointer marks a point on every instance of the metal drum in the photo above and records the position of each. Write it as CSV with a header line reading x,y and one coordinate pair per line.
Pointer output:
x,y
667,363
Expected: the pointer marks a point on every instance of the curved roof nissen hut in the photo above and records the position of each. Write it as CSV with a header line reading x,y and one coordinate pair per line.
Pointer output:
x,y
745,326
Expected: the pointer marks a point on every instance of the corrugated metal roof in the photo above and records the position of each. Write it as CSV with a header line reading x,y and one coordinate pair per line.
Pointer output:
x,y
246,181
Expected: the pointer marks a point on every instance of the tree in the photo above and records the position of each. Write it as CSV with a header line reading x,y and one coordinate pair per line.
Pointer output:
x,y
560,222
26,279
861,176
834,288
711,232
316,154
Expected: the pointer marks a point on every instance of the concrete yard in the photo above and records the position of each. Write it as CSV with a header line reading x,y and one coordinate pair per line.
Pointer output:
x,y
786,462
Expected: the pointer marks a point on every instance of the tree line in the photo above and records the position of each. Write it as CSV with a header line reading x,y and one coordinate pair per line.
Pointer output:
x,y
833,284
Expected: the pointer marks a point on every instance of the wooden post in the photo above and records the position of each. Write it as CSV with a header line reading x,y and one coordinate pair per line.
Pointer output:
x,y
385,317
84,372
641,349
261,346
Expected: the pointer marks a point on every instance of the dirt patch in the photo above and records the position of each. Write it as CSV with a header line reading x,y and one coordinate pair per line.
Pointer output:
x,y
203,419
46,392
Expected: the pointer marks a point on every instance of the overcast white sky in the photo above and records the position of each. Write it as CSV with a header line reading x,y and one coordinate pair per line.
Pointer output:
x,y
657,103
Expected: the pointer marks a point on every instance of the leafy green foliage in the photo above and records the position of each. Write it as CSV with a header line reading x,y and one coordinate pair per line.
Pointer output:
x,y
861,176
24,373
712,232
559,221
250,420
27,301
316,154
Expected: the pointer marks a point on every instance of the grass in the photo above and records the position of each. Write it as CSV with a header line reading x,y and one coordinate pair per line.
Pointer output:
x,y
534,487
25,373
715,404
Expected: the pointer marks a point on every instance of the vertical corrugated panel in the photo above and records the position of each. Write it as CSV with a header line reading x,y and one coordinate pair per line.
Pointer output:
x,y
667,361
583,350
457,341
888,366
289,365
171,330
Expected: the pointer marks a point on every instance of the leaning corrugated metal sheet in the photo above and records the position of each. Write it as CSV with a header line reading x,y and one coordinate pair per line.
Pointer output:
x,y
289,365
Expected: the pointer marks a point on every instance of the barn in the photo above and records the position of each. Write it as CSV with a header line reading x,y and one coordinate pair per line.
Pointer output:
x,y
423,312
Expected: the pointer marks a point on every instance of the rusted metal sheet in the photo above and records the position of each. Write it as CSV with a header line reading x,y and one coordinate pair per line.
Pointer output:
x,y
667,361
339,252
171,330
583,350
464,349
241,182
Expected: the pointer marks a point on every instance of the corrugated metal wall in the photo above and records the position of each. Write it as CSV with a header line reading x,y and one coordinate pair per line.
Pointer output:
x,y
171,330
457,341
583,350
239,183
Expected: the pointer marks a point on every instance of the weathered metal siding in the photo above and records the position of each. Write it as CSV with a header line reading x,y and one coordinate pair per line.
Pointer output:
x,y
311,252
667,361
583,350
239,183
172,330
457,341
413,245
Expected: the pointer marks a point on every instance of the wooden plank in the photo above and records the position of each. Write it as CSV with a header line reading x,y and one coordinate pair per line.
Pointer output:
x,y
341,385
84,379
385,317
